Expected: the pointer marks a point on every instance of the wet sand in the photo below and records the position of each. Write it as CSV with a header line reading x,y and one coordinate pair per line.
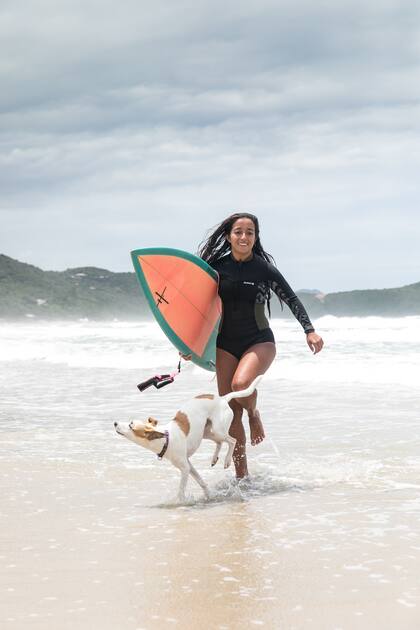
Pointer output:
x,y
325,536
80,551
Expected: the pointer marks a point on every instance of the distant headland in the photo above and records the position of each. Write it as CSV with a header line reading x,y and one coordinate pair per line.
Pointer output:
x,y
89,292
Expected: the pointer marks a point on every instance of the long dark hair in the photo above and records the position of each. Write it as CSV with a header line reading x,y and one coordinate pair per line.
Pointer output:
x,y
216,245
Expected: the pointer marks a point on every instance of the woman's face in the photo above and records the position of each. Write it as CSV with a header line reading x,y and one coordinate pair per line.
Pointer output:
x,y
242,238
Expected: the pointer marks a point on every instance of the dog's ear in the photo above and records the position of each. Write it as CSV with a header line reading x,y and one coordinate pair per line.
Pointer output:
x,y
152,421
152,434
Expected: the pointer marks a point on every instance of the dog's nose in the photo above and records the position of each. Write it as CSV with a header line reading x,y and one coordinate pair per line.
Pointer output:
x,y
115,424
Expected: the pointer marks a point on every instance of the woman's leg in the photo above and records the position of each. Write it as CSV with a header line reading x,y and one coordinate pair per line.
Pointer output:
x,y
256,360
226,365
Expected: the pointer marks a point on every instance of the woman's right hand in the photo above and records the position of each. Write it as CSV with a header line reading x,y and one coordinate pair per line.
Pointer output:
x,y
187,357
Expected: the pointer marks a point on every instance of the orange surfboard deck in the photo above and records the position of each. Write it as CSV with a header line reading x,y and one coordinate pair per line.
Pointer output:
x,y
181,290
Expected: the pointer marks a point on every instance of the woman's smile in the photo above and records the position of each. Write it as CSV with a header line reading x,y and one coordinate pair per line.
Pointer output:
x,y
243,228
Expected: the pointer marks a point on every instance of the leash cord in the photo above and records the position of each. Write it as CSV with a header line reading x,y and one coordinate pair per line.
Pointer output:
x,y
159,380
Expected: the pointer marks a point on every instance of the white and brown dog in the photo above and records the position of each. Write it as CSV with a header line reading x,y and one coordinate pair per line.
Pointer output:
x,y
206,416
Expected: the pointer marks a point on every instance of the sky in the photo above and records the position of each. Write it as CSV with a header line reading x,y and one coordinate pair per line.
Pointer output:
x,y
137,124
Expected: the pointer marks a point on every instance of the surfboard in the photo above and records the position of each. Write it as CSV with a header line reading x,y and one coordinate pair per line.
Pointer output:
x,y
181,291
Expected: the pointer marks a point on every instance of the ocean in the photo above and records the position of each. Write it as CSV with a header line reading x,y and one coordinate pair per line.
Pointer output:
x,y
325,534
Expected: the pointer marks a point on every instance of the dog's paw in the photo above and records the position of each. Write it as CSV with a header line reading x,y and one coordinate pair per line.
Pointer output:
x,y
214,461
227,463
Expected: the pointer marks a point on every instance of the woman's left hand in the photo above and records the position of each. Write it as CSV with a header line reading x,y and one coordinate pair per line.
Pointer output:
x,y
314,341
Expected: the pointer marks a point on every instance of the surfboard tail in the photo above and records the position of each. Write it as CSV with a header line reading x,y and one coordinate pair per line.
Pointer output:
x,y
244,392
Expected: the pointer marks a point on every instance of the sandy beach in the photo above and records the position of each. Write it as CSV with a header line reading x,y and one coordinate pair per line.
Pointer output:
x,y
85,551
326,534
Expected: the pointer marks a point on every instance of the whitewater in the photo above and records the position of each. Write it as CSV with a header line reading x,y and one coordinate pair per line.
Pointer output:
x,y
324,534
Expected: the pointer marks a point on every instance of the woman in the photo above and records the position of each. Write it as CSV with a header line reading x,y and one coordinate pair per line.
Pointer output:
x,y
245,345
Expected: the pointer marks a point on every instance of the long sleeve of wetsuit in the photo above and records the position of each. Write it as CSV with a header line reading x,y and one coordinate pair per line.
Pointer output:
x,y
285,293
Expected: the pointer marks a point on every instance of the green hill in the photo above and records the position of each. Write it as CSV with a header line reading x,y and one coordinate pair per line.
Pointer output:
x,y
396,302
27,291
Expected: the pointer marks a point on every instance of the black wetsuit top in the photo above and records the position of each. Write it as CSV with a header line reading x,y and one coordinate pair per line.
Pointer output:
x,y
244,287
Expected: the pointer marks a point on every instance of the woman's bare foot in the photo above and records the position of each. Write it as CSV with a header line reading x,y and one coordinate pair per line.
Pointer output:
x,y
256,428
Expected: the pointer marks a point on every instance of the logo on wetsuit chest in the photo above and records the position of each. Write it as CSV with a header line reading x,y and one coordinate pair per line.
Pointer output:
x,y
245,282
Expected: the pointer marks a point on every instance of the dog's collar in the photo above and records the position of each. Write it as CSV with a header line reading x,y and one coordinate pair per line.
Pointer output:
x,y
165,446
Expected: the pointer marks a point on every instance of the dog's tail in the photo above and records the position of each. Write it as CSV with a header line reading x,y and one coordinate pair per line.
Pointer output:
x,y
244,392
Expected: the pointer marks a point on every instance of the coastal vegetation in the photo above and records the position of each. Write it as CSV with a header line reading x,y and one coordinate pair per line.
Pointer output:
x,y
27,291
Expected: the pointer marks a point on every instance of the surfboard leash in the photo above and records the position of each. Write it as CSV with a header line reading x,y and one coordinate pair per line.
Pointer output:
x,y
159,380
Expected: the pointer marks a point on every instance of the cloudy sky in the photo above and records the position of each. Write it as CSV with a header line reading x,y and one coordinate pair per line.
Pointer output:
x,y
135,124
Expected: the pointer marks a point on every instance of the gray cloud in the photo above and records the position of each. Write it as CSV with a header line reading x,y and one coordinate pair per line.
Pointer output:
x,y
129,125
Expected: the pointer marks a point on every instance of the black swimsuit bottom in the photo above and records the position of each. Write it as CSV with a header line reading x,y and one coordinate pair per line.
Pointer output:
x,y
239,346
244,288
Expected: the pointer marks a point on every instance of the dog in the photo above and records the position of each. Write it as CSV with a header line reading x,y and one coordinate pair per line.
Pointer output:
x,y
204,417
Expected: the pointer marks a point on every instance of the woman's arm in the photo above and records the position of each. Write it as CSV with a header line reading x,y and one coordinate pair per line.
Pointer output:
x,y
285,293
